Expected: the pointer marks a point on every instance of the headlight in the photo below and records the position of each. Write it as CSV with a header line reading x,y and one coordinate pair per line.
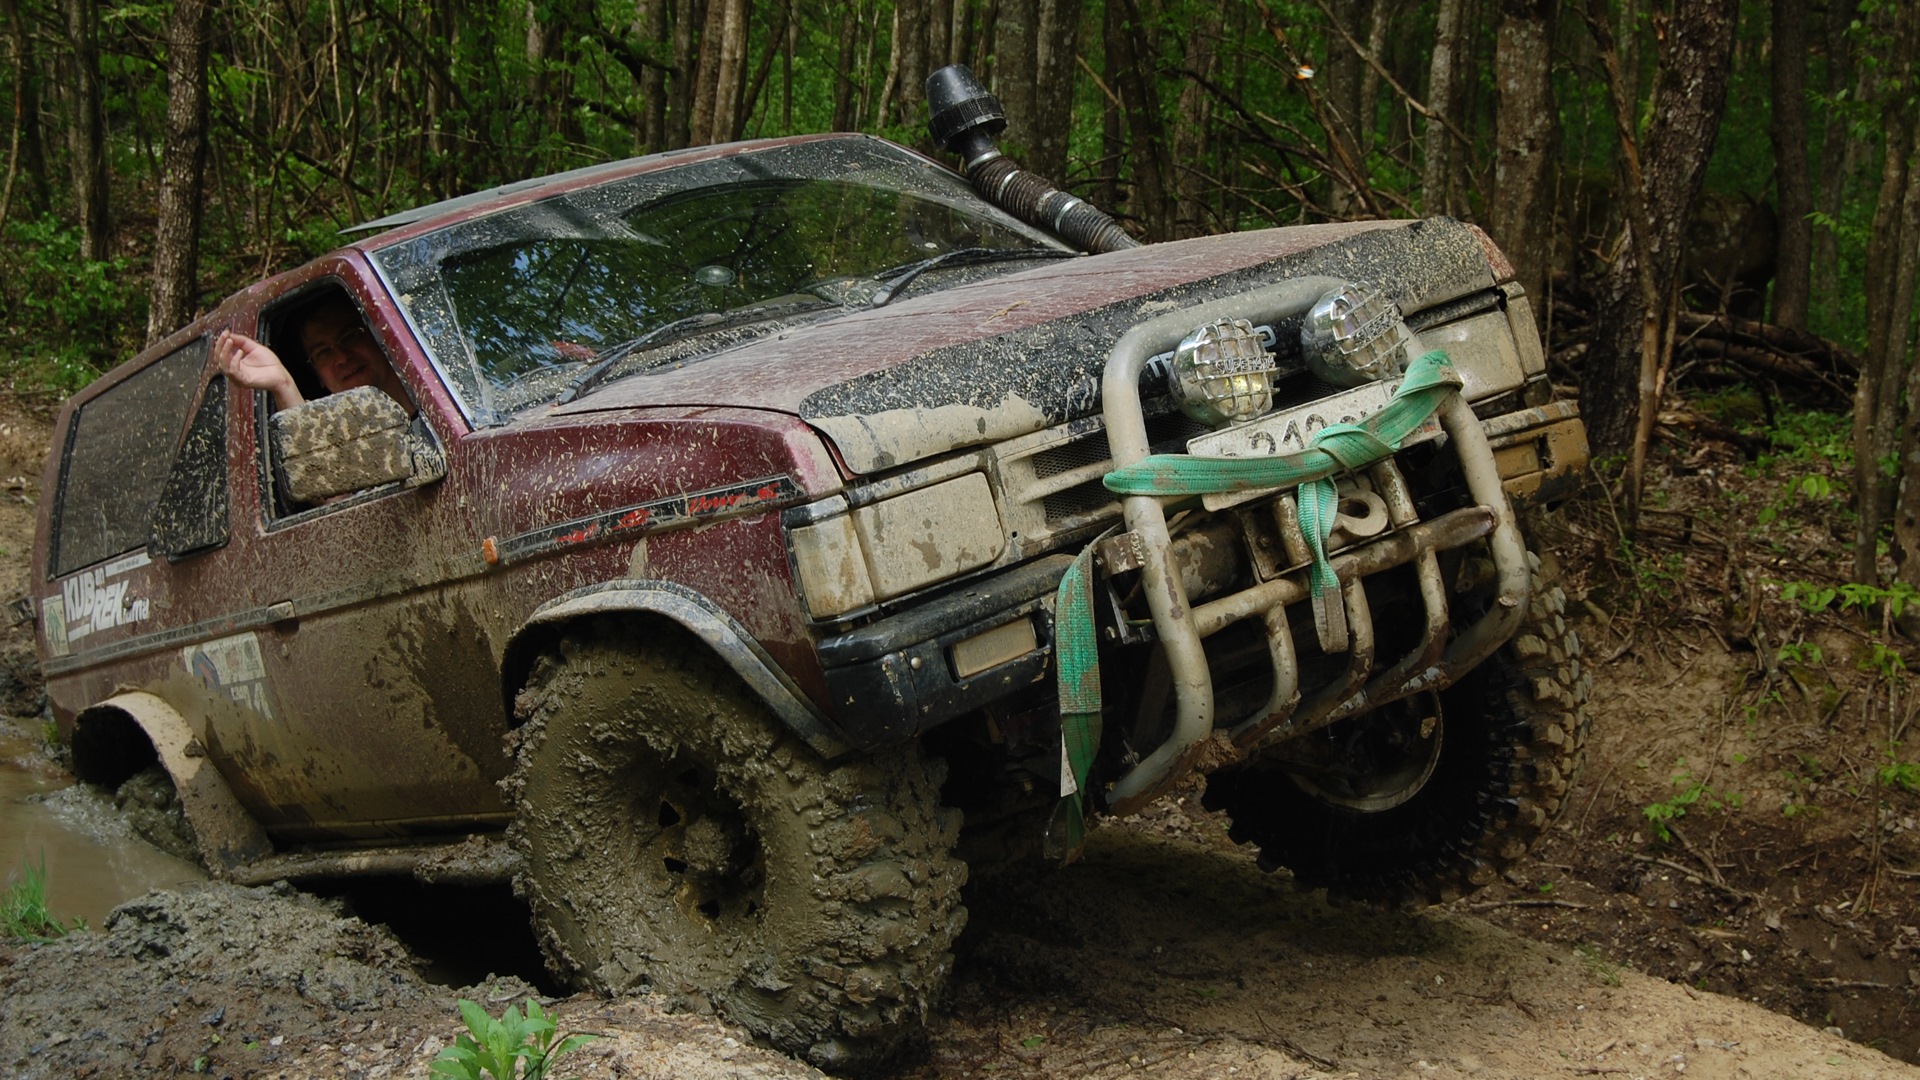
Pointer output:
x,y
897,545
1222,375
1354,335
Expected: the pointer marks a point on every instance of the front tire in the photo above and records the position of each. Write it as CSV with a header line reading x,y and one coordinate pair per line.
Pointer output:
x,y
676,837
1415,810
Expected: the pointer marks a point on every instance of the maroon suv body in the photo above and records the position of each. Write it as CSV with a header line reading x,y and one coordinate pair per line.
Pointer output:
x,y
818,425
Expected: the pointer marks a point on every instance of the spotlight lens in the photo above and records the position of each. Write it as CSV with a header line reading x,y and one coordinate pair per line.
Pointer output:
x,y
1222,375
1354,334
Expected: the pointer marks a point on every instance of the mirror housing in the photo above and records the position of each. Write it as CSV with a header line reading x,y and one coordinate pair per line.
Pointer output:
x,y
351,441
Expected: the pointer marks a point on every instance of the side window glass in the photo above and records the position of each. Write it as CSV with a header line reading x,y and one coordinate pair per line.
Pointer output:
x,y
119,450
192,513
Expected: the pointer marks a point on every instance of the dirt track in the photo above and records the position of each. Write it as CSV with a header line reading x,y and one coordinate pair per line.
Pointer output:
x,y
1156,956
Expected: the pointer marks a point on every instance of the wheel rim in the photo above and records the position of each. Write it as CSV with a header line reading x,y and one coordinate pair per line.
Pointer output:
x,y
1375,766
697,847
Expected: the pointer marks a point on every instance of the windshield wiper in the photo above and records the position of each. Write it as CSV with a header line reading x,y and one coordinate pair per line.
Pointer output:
x,y
591,377
903,276
705,320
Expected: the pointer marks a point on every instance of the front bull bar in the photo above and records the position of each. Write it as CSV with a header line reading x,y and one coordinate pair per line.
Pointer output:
x,y
1180,627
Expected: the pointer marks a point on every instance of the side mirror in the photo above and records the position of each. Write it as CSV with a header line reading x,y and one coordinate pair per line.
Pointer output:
x,y
351,441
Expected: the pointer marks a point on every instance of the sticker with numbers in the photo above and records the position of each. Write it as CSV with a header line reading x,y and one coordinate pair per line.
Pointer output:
x,y
232,666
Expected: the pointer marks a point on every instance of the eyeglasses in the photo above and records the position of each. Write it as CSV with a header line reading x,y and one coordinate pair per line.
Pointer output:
x,y
327,352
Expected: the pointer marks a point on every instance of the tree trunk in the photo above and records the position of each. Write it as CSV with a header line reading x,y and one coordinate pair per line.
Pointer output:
x,y
1690,90
87,129
1794,259
1890,253
939,36
1340,79
176,232
1437,169
650,26
1379,21
910,99
1840,149
1054,73
1016,34
1195,113
1526,137
1906,513
730,75
688,15
1130,60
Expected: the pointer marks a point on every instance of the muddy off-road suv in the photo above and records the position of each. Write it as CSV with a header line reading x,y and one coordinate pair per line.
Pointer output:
x,y
767,527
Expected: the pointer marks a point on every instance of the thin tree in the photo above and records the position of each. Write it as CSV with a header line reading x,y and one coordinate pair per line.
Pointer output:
x,y
1794,259
1661,173
1880,423
176,232
1525,139
87,128
1437,169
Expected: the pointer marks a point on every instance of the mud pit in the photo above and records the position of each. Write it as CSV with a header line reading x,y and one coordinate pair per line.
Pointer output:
x,y
1166,953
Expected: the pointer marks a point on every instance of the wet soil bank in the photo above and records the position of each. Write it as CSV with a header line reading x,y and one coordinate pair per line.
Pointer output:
x,y
1158,955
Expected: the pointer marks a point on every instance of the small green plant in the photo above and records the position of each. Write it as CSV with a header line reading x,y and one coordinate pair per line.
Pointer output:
x,y
1882,661
1904,775
23,907
1800,652
1691,794
1597,965
1814,598
500,1048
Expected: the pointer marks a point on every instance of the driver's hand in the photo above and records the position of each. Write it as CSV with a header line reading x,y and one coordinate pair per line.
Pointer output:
x,y
256,367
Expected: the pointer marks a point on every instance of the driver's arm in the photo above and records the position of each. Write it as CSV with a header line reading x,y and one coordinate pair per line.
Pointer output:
x,y
256,367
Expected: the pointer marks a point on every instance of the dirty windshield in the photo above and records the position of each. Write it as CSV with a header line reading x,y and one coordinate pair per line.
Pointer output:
x,y
533,304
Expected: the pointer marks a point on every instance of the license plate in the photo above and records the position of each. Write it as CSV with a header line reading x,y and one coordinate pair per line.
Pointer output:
x,y
1289,431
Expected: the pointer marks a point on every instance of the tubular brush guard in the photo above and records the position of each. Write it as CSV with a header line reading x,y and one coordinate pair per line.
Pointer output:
x,y
1333,583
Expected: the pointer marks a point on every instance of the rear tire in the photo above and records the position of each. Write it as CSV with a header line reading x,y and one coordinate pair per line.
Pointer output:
x,y
676,837
1439,815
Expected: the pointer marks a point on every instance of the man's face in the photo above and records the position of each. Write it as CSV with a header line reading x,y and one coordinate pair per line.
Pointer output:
x,y
344,354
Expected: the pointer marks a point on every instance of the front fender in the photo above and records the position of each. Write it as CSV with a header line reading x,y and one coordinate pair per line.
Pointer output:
x,y
699,617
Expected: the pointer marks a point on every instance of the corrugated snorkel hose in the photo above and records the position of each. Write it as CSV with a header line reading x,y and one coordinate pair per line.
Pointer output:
x,y
964,119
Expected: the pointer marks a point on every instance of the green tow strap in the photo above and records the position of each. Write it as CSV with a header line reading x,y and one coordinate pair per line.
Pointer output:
x,y
1077,655
1334,449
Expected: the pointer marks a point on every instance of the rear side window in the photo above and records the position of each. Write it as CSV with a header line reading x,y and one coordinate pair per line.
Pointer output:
x,y
119,450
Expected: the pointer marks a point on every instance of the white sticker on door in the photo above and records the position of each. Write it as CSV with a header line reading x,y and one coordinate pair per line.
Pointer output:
x,y
231,666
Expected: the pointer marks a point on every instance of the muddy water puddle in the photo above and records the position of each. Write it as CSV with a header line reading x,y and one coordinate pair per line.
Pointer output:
x,y
93,862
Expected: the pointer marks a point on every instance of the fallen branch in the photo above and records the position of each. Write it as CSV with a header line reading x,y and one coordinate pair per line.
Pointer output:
x,y
1488,905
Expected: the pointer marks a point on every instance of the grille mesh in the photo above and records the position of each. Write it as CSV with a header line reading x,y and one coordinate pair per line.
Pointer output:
x,y
1166,432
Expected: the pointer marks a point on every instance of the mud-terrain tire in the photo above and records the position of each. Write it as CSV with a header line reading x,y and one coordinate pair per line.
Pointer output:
x,y
676,837
1512,734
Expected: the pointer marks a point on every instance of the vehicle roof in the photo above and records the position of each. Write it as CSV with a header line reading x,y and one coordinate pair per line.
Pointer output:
x,y
406,224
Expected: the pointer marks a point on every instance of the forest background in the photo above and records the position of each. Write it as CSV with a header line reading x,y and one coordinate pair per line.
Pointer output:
x,y
1716,192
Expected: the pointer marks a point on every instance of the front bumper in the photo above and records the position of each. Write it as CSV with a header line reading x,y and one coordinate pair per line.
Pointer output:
x,y
905,674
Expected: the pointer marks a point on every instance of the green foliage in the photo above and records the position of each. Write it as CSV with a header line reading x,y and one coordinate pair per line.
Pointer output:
x,y
1597,964
23,906
1809,436
1657,576
501,1048
1799,652
1689,795
1894,773
63,319
1814,598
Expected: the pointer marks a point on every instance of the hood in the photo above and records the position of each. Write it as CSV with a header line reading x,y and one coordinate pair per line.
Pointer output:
x,y
988,361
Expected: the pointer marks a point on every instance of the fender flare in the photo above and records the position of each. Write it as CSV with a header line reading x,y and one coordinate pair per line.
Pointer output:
x,y
697,615
228,835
